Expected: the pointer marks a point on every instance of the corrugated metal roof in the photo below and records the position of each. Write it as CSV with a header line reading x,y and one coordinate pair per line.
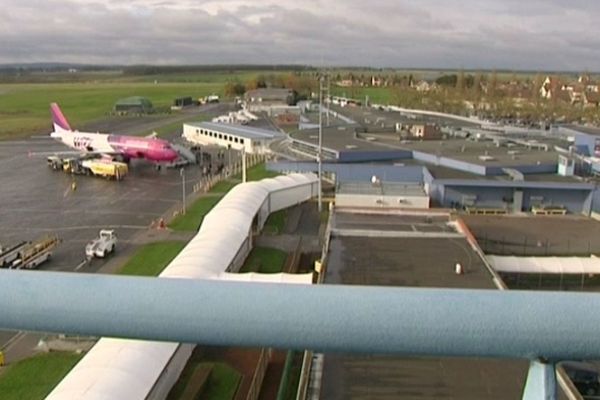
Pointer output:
x,y
245,132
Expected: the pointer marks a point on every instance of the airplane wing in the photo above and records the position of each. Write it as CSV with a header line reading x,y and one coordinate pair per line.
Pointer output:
x,y
71,153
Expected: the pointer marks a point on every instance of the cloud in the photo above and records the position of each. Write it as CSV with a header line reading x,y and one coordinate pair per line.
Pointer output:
x,y
519,34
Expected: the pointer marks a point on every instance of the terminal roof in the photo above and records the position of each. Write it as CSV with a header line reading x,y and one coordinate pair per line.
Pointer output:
x,y
238,130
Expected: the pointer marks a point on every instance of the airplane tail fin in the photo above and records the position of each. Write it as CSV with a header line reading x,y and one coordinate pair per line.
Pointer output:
x,y
58,119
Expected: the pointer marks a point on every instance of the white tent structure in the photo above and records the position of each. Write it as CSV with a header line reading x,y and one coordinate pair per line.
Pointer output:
x,y
137,370
546,265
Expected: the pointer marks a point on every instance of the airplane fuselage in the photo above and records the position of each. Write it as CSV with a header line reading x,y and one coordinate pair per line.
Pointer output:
x,y
152,149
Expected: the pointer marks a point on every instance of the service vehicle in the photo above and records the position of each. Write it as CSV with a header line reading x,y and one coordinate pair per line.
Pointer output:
x,y
9,254
106,168
103,167
104,244
32,254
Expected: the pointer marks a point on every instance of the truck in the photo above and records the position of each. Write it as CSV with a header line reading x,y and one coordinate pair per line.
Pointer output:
x,y
102,167
9,254
103,245
28,255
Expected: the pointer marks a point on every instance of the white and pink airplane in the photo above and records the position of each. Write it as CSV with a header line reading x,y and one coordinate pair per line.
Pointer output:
x,y
124,147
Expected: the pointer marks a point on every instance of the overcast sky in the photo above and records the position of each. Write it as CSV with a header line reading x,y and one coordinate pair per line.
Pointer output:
x,y
514,34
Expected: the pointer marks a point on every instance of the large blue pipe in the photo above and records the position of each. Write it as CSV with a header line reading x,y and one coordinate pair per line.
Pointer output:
x,y
435,322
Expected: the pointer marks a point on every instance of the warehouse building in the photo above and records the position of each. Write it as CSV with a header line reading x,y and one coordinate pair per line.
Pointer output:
x,y
252,140
133,105
267,97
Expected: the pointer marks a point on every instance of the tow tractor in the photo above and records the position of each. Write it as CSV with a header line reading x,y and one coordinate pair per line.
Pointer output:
x,y
28,255
103,245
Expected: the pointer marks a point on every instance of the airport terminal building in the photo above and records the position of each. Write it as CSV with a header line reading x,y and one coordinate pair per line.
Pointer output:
x,y
472,169
252,140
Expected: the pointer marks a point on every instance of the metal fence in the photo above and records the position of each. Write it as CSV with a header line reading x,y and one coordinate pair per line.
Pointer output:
x,y
526,246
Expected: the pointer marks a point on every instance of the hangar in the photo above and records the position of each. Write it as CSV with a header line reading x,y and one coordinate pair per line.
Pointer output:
x,y
135,104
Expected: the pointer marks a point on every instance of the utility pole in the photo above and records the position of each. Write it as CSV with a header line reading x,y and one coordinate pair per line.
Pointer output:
x,y
243,164
182,174
328,99
320,151
229,168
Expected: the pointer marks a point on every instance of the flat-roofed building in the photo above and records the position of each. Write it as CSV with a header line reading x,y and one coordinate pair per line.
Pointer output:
x,y
253,140
381,195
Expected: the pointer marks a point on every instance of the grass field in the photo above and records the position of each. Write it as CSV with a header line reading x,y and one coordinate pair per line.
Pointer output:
x,y
35,377
195,213
224,186
221,384
152,258
191,220
24,108
259,172
275,223
290,380
265,260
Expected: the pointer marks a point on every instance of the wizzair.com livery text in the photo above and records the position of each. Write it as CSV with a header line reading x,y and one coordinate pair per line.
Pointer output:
x,y
126,147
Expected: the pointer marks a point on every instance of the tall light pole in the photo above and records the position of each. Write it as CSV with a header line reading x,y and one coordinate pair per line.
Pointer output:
x,y
328,99
244,164
229,158
320,151
182,174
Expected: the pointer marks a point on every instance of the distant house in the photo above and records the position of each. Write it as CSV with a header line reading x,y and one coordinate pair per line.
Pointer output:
x,y
135,104
576,96
425,131
345,83
376,81
550,87
591,99
571,92
423,86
